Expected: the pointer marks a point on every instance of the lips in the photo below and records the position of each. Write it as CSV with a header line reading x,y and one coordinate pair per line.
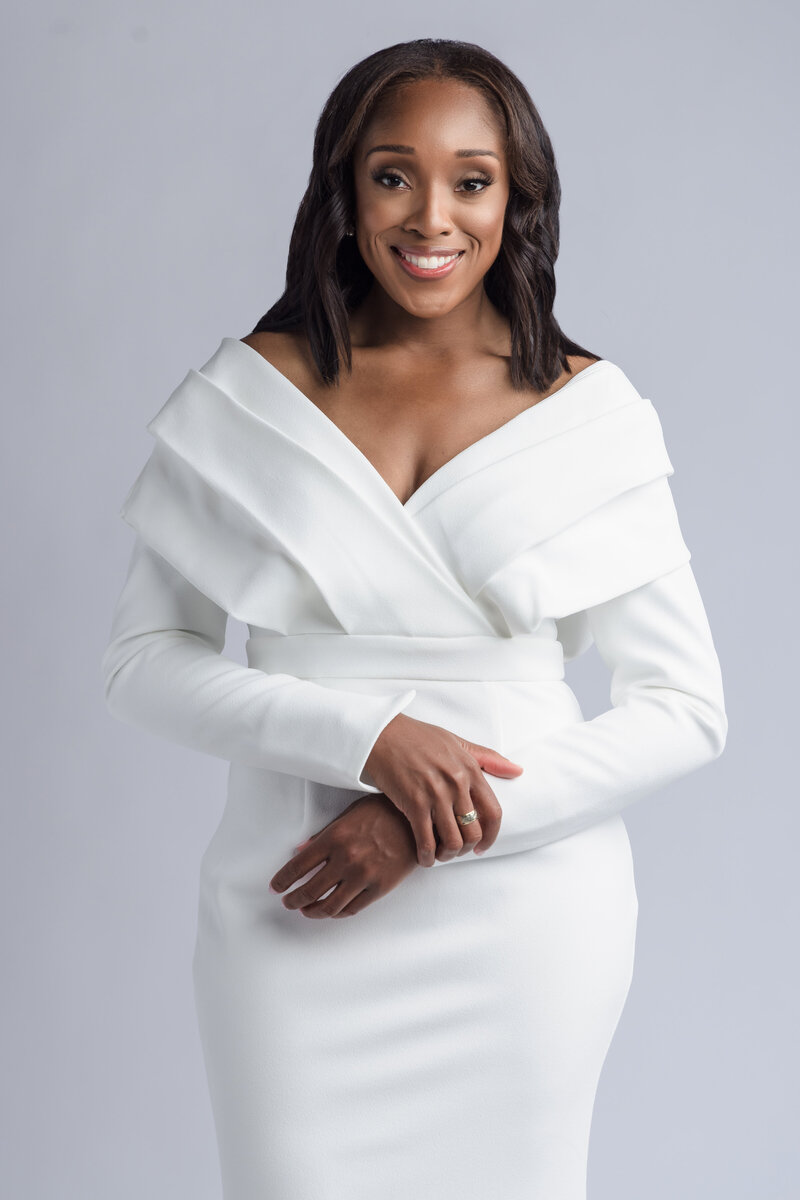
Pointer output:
x,y
453,258
426,251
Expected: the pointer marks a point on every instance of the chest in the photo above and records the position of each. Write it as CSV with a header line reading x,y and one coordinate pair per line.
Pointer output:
x,y
410,421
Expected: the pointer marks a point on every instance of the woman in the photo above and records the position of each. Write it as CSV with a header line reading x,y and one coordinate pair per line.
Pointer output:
x,y
423,499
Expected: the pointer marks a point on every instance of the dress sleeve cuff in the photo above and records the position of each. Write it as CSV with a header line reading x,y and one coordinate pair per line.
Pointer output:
x,y
327,734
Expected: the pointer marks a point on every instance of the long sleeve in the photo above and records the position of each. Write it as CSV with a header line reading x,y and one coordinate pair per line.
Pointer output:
x,y
164,672
667,718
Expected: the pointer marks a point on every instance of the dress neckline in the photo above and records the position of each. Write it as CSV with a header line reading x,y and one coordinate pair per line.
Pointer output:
x,y
452,463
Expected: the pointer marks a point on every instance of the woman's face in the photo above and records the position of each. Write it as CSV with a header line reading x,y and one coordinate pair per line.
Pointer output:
x,y
440,190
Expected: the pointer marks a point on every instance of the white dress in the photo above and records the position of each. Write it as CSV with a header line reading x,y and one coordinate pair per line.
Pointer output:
x,y
445,1042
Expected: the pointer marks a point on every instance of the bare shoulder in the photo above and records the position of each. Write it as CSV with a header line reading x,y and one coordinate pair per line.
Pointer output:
x,y
579,362
287,351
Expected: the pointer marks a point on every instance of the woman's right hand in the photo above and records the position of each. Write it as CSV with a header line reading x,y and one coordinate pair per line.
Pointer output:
x,y
431,774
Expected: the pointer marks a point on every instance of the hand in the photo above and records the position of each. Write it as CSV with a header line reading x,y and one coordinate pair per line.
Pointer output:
x,y
368,849
430,774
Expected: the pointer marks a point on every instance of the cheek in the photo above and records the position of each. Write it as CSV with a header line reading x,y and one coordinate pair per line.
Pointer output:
x,y
488,228
375,210
373,221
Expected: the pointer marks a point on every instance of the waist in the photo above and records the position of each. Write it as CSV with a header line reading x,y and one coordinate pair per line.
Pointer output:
x,y
401,656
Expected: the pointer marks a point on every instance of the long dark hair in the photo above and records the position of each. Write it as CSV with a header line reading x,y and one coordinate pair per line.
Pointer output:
x,y
326,277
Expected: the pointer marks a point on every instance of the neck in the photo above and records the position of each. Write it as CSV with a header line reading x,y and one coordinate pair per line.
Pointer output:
x,y
475,322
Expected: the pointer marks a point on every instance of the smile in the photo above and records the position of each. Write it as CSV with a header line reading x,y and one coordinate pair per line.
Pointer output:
x,y
420,267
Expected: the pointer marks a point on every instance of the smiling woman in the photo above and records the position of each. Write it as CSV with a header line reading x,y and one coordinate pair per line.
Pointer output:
x,y
423,499
435,192
429,148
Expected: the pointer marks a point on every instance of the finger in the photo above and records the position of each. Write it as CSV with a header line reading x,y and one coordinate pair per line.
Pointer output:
x,y
315,887
449,828
364,898
470,834
422,826
331,905
297,866
491,814
473,833
493,762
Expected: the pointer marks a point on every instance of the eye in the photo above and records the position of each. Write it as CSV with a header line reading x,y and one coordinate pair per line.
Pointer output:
x,y
484,180
469,183
379,175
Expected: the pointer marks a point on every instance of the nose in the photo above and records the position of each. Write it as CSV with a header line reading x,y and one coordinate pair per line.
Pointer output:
x,y
430,216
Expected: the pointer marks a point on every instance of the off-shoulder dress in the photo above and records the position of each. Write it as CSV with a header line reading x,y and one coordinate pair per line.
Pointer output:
x,y
446,1042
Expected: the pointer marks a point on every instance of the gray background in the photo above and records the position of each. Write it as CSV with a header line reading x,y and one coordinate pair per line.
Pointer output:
x,y
156,154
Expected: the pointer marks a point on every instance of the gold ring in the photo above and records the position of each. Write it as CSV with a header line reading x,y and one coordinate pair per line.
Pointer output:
x,y
467,818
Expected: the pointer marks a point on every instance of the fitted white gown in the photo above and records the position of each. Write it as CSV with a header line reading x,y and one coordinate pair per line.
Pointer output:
x,y
447,1041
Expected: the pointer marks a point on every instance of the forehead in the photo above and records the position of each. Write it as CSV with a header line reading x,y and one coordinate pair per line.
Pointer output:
x,y
435,112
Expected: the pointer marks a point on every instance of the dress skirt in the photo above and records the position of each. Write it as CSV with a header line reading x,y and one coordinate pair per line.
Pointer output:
x,y
446,1041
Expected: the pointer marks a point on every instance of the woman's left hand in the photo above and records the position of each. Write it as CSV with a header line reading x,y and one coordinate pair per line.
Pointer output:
x,y
367,851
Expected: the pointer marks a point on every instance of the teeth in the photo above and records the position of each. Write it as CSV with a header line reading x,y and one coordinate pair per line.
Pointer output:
x,y
428,264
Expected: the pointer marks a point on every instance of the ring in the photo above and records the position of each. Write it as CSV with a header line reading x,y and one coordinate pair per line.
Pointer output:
x,y
467,818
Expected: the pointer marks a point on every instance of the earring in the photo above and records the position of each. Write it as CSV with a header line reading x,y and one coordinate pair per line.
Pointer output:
x,y
350,232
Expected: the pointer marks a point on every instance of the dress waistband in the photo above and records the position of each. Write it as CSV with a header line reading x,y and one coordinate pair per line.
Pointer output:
x,y
400,656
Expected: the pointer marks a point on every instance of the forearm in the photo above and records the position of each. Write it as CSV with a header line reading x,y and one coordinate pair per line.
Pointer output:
x,y
163,671
667,719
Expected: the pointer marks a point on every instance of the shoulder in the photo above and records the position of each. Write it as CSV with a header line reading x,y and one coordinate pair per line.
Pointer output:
x,y
576,363
271,345
287,351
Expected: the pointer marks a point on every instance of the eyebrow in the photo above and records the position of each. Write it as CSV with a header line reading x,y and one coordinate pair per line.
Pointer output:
x,y
394,149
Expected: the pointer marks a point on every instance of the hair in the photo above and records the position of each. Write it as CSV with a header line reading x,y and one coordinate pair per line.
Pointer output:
x,y
326,277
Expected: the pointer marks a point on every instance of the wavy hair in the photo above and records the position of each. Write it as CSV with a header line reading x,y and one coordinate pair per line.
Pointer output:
x,y
326,277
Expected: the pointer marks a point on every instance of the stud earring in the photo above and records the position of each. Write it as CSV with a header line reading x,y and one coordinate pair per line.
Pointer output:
x,y
350,232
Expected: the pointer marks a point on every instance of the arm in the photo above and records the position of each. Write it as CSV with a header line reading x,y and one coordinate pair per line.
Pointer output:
x,y
667,719
163,671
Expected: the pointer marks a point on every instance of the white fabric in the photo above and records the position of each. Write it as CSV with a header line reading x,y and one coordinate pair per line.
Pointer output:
x,y
447,1041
